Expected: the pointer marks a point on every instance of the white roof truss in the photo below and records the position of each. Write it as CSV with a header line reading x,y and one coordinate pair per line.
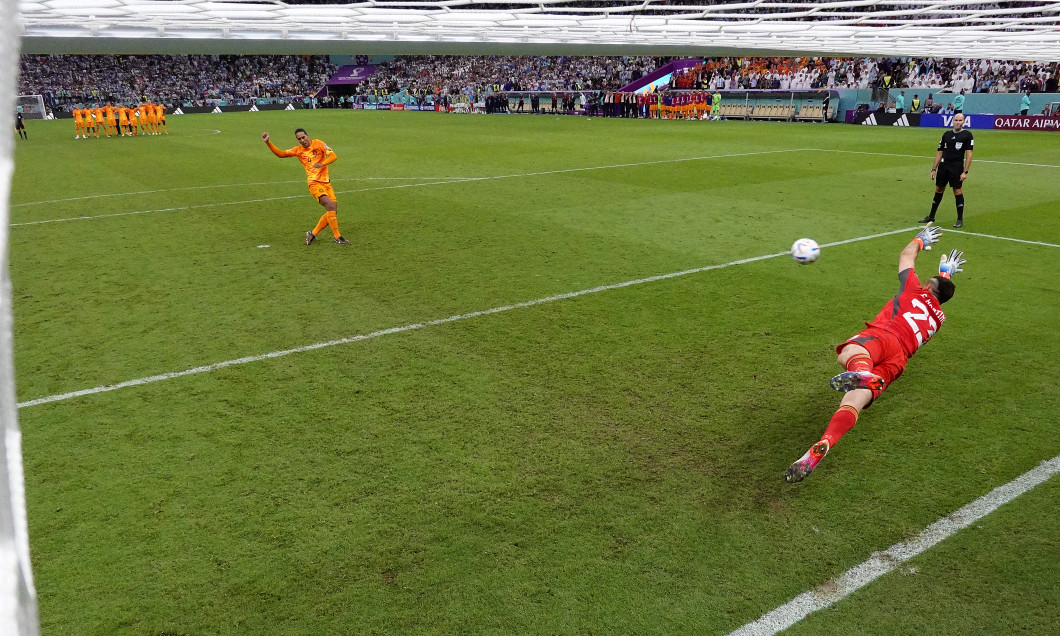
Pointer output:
x,y
1017,30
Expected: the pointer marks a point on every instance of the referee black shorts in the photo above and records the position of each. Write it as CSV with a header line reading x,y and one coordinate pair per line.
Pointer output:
x,y
949,173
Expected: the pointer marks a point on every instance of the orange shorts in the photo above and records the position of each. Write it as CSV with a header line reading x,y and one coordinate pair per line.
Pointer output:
x,y
319,189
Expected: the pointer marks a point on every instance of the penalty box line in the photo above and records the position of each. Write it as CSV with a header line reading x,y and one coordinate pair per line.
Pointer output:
x,y
420,325
880,563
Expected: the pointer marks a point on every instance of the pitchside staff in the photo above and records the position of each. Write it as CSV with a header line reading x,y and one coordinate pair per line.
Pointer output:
x,y
952,161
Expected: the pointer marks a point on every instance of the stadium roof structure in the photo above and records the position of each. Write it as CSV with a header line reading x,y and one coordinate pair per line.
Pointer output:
x,y
1017,30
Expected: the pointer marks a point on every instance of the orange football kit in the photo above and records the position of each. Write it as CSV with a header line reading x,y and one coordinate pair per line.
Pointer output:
x,y
318,179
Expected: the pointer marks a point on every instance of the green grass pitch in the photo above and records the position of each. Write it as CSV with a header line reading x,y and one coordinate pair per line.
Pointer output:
x,y
606,463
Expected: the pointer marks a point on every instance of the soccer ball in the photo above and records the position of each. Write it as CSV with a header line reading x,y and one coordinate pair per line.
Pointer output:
x,y
805,251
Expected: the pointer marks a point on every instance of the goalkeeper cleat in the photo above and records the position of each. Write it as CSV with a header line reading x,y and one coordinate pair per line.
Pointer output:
x,y
341,241
310,237
927,219
959,223
805,464
850,380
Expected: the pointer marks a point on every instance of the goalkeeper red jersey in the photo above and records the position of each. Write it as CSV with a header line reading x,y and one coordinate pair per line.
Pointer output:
x,y
913,315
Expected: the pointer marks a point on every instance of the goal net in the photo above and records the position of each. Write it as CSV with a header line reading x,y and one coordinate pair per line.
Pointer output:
x,y
31,106
18,599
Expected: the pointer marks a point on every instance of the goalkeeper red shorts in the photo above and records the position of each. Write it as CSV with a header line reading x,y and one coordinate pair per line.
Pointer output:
x,y
888,357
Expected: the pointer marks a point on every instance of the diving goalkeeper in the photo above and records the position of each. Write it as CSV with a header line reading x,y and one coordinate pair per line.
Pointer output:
x,y
876,357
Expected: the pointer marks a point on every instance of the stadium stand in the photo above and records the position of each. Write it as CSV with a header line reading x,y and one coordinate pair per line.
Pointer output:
x,y
189,80
200,80
807,73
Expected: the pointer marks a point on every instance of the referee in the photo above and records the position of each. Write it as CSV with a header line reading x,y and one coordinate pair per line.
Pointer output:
x,y
20,126
952,161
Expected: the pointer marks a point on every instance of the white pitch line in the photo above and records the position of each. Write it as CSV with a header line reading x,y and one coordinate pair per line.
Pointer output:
x,y
880,563
894,154
451,179
407,185
1004,238
420,325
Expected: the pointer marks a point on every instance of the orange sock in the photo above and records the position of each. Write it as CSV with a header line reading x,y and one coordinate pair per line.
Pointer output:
x,y
843,420
859,362
321,224
333,220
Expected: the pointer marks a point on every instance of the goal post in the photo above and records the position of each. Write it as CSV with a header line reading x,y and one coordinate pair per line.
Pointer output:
x,y
18,597
31,106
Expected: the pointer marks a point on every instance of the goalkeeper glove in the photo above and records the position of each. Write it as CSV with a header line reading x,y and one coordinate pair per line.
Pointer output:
x,y
928,236
951,264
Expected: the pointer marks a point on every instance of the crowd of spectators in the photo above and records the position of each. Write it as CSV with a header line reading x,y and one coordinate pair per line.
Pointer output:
x,y
188,80
200,80
471,78
811,73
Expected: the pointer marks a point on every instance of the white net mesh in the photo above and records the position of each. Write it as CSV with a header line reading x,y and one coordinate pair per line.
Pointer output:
x,y
1025,30
18,601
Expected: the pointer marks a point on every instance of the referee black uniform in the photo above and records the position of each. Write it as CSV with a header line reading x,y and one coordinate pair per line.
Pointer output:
x,y
954,149
20,126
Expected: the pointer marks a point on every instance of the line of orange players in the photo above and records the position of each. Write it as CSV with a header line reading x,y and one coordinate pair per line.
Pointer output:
x,y
122,121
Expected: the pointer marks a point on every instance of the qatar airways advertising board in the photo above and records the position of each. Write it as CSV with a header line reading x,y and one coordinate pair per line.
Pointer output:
x,y
1030,122
979,121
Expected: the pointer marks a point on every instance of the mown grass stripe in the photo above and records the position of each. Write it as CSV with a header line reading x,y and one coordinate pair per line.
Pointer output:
x,y
420,325
443,181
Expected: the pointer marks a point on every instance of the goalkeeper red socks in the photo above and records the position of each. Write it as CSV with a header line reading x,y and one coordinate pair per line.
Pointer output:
x,y
843,420
859,362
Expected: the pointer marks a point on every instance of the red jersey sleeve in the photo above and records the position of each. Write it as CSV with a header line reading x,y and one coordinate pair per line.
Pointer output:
x,y
913,315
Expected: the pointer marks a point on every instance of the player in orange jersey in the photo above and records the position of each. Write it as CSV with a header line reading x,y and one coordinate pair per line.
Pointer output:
x,y
148,110
79,123
101,121
112,124
160,117
123,120
90,124
315,156
132,121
